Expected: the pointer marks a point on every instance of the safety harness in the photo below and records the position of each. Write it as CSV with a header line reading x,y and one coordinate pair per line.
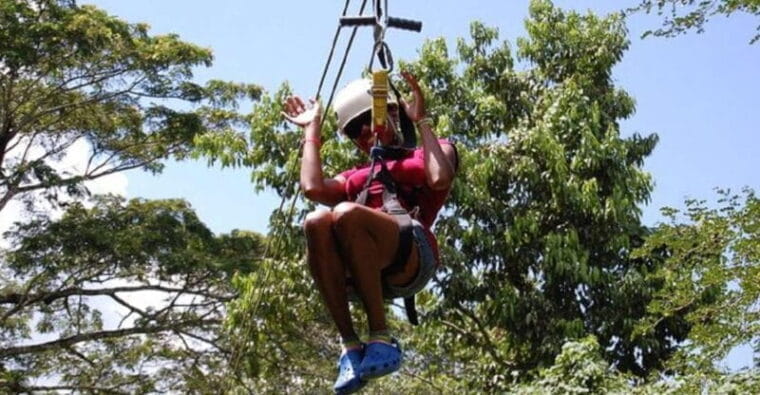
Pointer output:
x,y
392,206
405,135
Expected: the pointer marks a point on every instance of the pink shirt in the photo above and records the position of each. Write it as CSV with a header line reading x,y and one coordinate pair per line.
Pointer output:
x,y
409,174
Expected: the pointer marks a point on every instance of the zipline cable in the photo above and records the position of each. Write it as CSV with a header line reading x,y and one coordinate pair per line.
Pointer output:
x,y
332,51
383,52
248,329
329,102
343,63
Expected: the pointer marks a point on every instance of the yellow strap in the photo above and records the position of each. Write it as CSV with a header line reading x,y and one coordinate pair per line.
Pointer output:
x,y
379,99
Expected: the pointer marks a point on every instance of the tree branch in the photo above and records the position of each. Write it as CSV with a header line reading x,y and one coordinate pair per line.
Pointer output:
x,y
108,334
79,355
431,384
490,347
49,297
211,342
76,179
22,298
92,99
74,388
6,130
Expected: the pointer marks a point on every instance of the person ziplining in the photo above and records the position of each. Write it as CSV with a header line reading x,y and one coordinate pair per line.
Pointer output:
x,y
376,241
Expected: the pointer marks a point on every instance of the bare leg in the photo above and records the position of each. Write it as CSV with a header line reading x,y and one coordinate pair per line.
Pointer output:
x,y
368,240
327,269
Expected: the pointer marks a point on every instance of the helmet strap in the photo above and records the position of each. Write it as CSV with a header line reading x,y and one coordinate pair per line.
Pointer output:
x,y
395,127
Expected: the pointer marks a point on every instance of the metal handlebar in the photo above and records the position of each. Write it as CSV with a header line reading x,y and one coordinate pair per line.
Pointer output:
x,y
381,24
357,20
401,23
406,24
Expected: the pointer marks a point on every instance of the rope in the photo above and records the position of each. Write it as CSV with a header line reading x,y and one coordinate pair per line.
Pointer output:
x,y
248,329
329,102
332,51
342,64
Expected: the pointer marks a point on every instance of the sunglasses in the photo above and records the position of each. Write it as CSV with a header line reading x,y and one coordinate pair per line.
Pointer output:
x,y
354,128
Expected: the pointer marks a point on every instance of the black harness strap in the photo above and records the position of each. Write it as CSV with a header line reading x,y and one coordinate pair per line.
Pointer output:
x,y
411,310
392,206
405,241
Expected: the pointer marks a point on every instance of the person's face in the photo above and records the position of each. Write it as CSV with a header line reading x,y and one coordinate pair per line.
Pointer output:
x,y
360,129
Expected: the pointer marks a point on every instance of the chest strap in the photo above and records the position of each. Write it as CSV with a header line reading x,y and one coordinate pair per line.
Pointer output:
x,y
392,206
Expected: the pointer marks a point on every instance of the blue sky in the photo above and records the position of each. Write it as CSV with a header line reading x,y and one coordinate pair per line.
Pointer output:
x,y
699,92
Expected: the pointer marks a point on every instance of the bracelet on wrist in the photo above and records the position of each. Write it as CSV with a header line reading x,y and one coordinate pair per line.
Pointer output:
x,y
424,121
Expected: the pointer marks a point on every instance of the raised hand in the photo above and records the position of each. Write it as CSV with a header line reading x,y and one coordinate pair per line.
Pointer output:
x,y
415,108
297,112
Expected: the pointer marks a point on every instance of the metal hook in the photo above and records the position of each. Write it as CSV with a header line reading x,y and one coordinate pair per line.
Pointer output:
x,y
383,52
381,21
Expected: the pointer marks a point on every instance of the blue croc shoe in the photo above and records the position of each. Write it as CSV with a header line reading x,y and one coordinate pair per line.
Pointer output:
x,y
348,372
380,359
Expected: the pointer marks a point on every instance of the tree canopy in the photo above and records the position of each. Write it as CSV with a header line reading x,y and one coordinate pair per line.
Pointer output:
x,y
156,262
684,16
72,75
551,282
711,273
538,231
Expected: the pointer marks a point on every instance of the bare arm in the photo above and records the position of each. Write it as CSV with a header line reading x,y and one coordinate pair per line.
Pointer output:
x,y
439,160
328,191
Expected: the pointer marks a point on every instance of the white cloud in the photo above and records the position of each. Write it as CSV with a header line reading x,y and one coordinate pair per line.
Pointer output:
x,y
73,161
12,212
76,159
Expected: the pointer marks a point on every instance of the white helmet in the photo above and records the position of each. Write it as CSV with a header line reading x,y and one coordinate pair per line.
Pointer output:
x,y
355,99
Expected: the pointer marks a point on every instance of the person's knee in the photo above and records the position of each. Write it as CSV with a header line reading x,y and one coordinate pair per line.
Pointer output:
x,y
346,218
317,222
318,229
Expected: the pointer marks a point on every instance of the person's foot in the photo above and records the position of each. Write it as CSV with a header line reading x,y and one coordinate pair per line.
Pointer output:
x,y
348,380
380,358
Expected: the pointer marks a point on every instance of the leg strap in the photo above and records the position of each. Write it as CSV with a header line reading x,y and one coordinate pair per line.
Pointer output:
x,y
405,242
411,310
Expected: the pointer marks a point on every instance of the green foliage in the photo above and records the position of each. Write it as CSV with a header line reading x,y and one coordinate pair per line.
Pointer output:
x,y
546,208
537,232
62,276
73,73
687,15
74,76
711,274
580,369
745,382
279,330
